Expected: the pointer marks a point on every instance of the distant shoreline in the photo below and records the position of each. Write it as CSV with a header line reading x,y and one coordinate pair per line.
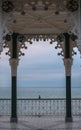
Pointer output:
x,y
40,87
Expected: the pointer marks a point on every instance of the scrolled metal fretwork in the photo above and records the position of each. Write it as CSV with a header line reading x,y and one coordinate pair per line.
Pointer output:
x,y
8,37
7,44
7,6
21,38
41,37
72,5
38,4
74,44
20,45
74,37
60,44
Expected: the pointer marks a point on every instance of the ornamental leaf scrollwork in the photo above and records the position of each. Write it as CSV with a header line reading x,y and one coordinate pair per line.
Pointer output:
x,y
7,6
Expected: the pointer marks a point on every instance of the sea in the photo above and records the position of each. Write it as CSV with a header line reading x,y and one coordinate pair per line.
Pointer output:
x,y
43,92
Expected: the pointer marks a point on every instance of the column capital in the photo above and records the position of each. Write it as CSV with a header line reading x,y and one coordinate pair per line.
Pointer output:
x,y
68,64
13,63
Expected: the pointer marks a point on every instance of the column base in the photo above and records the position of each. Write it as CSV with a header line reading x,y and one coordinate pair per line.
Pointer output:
x,y
14,119
68,119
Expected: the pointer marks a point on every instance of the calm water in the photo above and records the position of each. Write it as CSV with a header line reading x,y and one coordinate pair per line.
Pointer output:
x,y
43,92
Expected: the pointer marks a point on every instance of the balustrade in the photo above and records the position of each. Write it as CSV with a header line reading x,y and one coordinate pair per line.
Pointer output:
x,y
40,107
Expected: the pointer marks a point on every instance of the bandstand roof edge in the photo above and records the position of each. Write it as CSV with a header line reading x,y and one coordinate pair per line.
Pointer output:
x,y
41,18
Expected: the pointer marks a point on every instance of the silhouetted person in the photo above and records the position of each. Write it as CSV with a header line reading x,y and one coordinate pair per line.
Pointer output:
x,y
39,97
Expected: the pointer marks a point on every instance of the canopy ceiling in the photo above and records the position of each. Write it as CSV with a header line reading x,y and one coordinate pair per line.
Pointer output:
x,y
32,17
41,16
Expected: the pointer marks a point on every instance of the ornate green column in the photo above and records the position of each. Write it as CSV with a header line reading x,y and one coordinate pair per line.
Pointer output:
x,y
67,42
14,43
68,64
14,64
11,43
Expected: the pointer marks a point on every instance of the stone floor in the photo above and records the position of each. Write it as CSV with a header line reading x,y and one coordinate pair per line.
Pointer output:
x,y
40,123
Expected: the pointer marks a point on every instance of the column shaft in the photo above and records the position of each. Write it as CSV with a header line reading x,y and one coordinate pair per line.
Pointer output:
x,y
68,99
14,100
14,63
68,63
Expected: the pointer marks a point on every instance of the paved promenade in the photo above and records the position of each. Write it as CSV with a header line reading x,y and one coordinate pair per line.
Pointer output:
x,y
40,123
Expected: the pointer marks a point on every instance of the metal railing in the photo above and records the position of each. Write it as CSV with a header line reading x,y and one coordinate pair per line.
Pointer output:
x,y
40,107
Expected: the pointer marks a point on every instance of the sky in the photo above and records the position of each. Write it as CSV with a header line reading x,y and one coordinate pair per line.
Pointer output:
x,y
40,67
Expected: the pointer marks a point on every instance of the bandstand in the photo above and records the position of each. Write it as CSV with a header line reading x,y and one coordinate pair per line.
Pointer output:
x,y
22,21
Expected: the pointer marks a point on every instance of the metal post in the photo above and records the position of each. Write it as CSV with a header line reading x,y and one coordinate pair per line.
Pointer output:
x,y
14,42
68,63
14,63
